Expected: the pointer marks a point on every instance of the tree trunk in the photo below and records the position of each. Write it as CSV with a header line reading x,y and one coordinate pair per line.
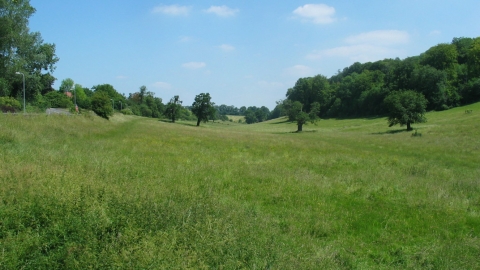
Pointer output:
x,y
408,126
300,127
198,122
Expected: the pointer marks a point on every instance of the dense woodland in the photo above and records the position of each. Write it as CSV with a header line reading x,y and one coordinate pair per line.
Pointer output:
x,y
447,75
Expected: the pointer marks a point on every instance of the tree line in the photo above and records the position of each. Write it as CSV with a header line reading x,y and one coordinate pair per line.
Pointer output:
x,y
445,76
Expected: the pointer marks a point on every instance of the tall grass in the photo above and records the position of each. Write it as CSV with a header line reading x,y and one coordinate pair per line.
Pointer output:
x,y
82,192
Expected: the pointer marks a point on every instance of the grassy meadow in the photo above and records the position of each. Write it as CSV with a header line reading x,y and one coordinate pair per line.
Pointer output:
x,y
81,192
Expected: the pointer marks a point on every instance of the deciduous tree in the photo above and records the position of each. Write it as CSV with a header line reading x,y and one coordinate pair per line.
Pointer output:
x,y
172,110
296,112
203,108
405,108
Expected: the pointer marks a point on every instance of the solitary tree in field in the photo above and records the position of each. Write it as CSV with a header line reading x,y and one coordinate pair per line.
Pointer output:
x,y
405,108
203,108
172,111
295,112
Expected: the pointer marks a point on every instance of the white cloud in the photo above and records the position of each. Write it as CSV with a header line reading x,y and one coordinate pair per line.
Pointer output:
x,y
316,13
435,33
380,37
298,71
357,53
185,39
174,10
222,11
194,65
367,47
162,85
226,48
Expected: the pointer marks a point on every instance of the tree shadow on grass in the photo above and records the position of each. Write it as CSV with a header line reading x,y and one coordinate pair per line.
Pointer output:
x,y
281,122
191,124
391,131
295,132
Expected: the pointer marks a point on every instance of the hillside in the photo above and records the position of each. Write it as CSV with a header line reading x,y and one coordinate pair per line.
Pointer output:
x,y
83,192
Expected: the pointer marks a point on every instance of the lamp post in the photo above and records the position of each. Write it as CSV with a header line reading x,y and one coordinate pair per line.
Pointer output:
x,y
75,98
113,106
23,75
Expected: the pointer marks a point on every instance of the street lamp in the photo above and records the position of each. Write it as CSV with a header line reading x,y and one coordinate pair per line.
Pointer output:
x,y
75,98
23,75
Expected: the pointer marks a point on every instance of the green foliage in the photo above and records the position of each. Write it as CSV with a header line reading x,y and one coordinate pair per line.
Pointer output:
x,y
67,85
297,113
203,108
406,108
41,103
57,99
444,74
144,103
101,104
173,109
112,94
23,51
127,111
474,58
442,57
9,104
256,115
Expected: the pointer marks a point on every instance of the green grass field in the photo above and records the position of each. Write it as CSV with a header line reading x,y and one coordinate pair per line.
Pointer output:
x,y
135,193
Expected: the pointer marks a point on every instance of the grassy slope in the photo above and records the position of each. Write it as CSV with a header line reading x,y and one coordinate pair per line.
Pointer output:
x,y
82,192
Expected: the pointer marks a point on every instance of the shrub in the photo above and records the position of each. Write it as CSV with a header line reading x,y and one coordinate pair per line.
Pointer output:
x,y
127,111
9,104
101,105
58,100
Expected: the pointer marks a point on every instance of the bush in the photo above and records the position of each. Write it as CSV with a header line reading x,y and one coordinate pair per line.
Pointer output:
x,y
127,111
58,100
9,104
41,103
101,105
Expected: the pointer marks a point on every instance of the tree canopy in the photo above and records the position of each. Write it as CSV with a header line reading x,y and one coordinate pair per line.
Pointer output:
x,y
23,51
203,108
173,108
405,108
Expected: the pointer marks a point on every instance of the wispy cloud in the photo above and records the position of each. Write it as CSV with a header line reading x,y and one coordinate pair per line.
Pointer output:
x,y
185,39
356,53
122,77
380,37
194,65
435,33
368,46
316,13
173,10
161,85
222,11
226,48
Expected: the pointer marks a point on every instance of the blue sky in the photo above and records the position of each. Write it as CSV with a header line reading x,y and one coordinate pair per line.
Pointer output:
x,y
244,53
